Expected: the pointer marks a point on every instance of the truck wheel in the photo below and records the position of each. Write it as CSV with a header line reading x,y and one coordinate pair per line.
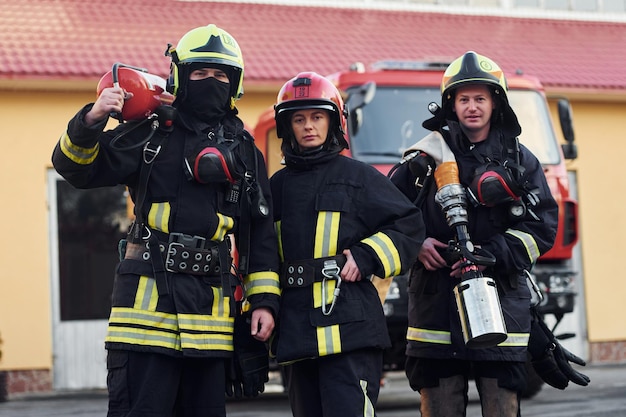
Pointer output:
x,y
534,382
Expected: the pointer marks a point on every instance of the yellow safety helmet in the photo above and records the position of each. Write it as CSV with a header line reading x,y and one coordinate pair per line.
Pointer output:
x,y
209,45
472,68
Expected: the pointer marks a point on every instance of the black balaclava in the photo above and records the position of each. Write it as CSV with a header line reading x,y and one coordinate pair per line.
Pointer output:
x,y
207,100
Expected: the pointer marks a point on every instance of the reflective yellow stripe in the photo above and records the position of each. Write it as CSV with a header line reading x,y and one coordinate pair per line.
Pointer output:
x,y
516,339
443,337
386,252
326,234
206,341
198,323
428,336
159,216
138,336
328,340
127,325
147,295
368,407
224,224
78,154
278,228
156,319
529,243
262,282
221,304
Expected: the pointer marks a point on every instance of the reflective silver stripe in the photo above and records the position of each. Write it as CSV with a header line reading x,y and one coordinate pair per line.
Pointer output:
x,y
159,216
326,234
386,252
264,282
529,243
328,340
137,336
157,320
78,154
206,341
428,336
516,339
368,407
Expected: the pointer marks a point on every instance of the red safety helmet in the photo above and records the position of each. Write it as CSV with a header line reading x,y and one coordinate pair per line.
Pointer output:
x,y
309,90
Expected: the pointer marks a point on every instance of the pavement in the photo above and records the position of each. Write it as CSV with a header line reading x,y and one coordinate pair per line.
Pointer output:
x,y
394,394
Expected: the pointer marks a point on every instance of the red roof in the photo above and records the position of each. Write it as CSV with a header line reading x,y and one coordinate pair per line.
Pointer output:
x,y
77,39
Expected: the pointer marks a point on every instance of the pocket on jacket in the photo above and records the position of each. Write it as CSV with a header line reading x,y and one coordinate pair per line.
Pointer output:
x,y
345,311
333,201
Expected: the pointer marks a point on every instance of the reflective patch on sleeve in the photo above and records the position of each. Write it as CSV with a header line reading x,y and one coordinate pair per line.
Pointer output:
x,y
386,252
529,243
439,337
78,154
264,282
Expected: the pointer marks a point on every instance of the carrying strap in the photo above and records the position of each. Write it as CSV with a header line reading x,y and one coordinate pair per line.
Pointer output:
x,y
151,150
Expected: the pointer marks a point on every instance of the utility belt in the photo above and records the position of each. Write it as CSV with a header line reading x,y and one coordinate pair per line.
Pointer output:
x,y
183,253
300,274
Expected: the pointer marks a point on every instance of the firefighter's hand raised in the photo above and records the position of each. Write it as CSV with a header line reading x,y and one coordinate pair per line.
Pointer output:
x,y
110,100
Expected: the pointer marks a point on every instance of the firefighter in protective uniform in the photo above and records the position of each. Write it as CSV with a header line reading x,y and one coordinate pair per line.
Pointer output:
x,y
338,221
196,178
511,215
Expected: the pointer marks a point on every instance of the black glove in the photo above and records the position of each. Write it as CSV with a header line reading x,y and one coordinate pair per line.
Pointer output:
x,y
550,360
248,370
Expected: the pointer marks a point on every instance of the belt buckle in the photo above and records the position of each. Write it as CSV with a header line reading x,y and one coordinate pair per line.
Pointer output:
x,y
172,251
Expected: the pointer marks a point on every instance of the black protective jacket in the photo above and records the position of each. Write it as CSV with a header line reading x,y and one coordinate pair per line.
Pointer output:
x,y
434,324
323,205
194,316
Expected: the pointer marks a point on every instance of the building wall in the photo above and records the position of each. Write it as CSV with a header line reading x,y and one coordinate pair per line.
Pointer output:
x,y
36,119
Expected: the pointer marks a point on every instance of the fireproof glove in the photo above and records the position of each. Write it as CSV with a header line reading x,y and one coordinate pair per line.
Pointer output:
x,y
248,370
551,361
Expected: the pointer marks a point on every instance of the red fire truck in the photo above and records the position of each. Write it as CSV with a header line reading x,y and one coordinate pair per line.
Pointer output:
x,y
387,104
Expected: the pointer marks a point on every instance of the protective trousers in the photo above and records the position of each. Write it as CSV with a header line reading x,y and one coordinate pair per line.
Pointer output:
x,y
144,384
341,385
449,399
443,386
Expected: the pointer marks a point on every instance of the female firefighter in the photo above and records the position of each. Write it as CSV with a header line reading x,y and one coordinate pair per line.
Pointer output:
x,y
509,213
172,318
339,221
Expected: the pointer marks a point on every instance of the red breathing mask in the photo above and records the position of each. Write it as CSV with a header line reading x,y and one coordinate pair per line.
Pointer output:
x,y
148,90
493,184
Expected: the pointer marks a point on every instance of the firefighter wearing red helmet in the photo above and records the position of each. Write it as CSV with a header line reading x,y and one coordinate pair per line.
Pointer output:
x,y
512,216
198,184
339,222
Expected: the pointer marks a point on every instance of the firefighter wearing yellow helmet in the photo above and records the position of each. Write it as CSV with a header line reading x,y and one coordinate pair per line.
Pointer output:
x,y
475,133
197,180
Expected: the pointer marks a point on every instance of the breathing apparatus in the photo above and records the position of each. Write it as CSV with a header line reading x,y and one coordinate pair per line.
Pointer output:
x,y
148,91
147,101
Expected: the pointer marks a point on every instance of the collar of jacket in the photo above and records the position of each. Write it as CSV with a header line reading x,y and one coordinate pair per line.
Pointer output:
x,y
304,162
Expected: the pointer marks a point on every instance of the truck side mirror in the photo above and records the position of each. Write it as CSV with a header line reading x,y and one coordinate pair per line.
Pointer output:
x,y
570,151
356,101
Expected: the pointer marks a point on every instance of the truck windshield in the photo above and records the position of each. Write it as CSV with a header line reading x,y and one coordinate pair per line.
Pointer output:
x,y
392,121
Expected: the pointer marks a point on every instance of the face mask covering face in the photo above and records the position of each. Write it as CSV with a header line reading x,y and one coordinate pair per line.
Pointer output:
x,y
206,99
